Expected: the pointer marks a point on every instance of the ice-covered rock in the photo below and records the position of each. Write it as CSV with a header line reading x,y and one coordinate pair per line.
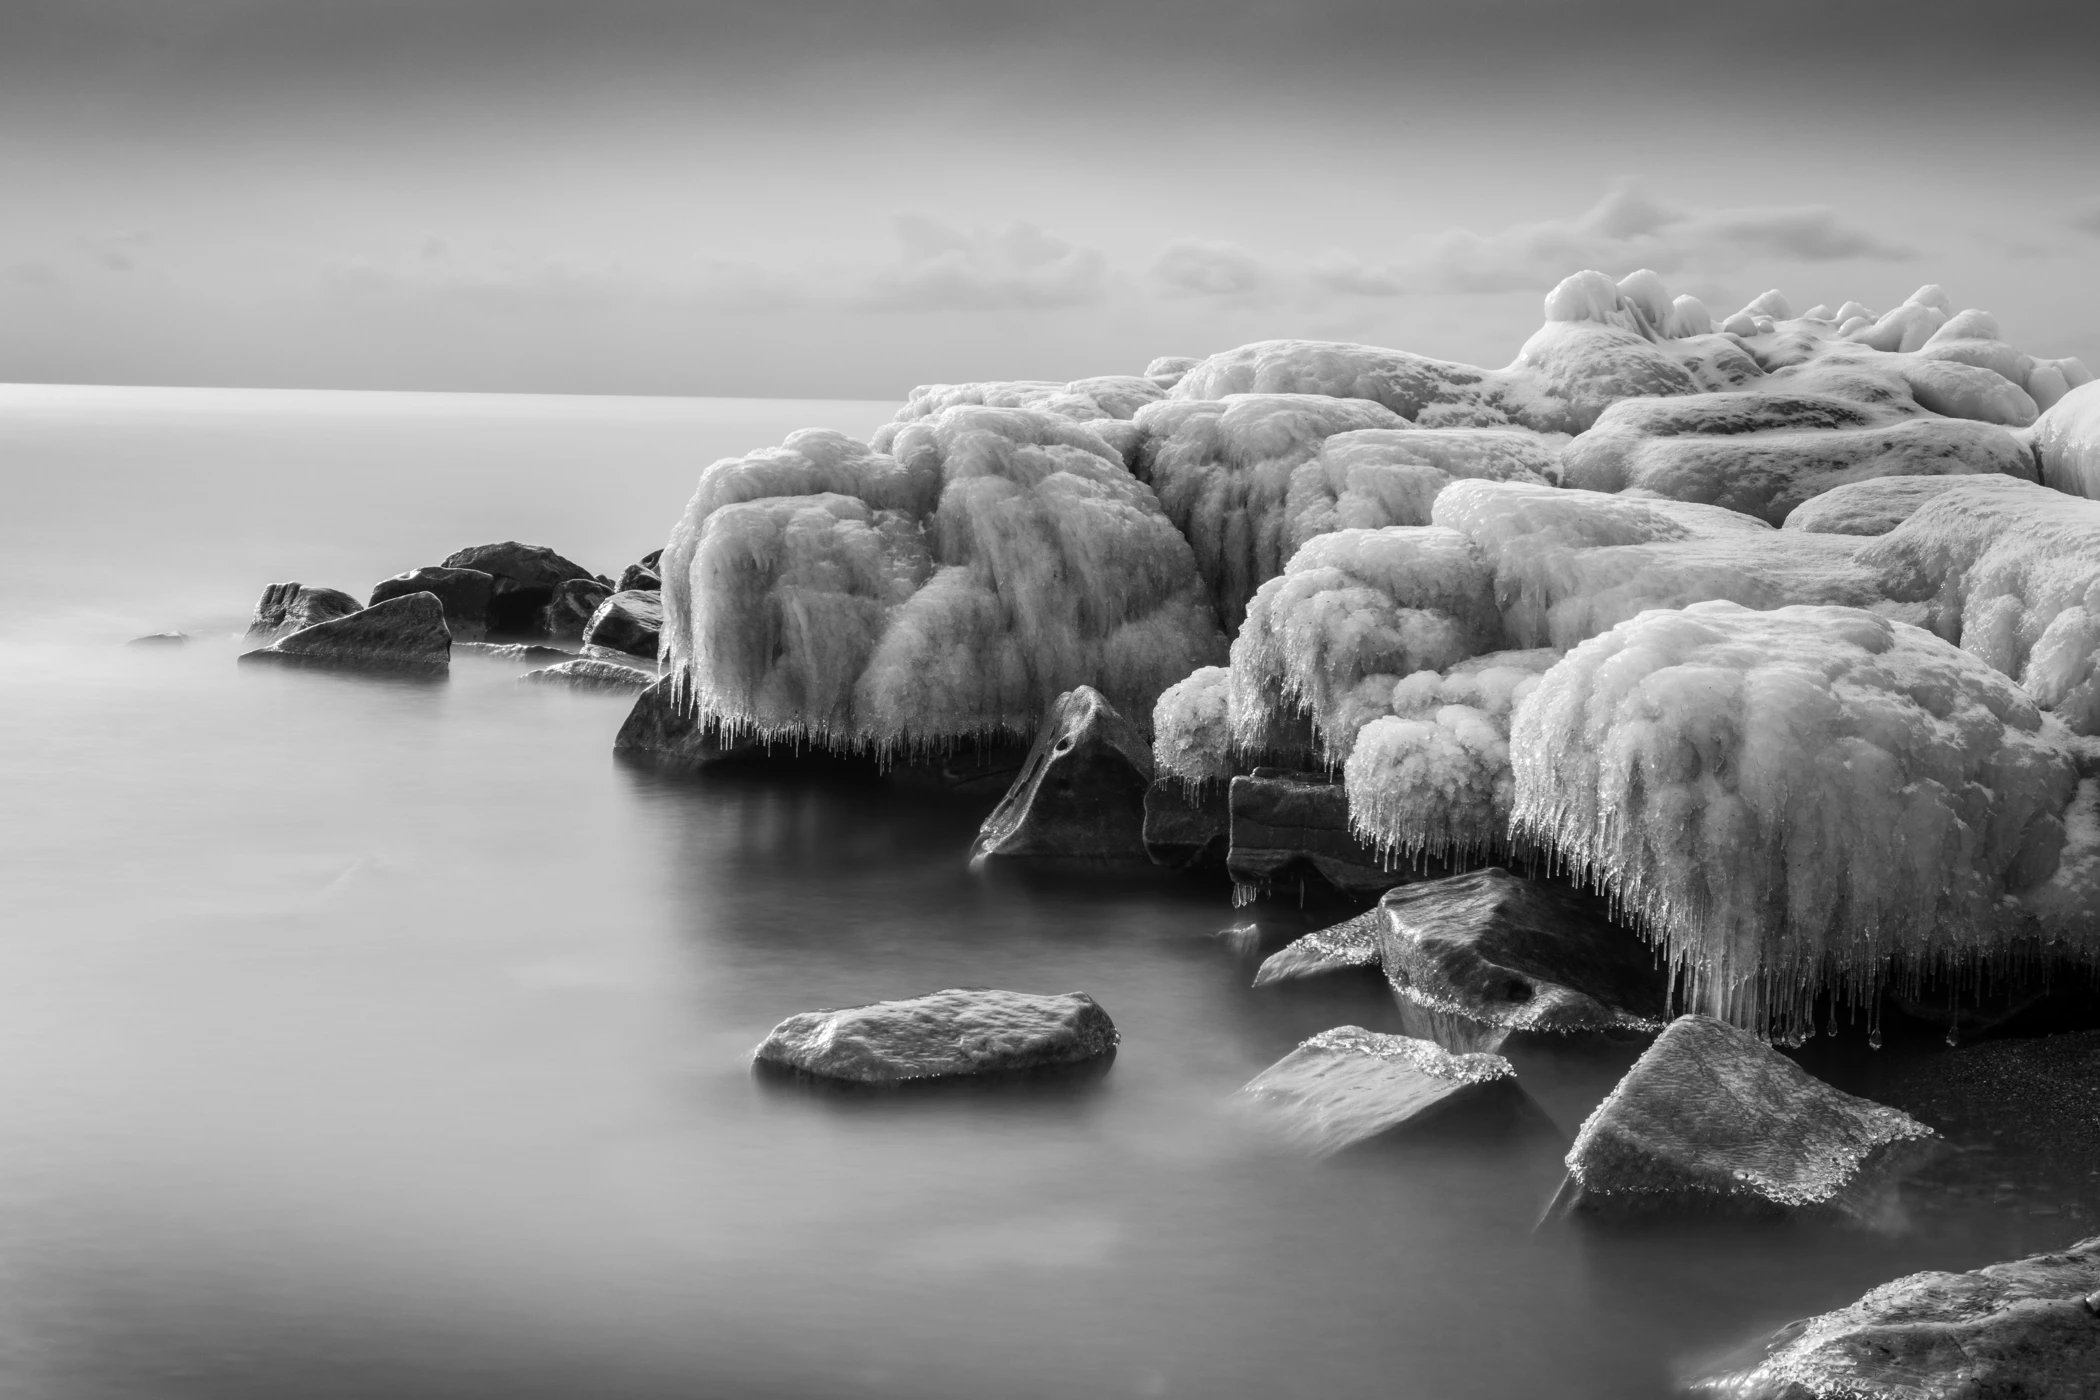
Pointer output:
x,y
590,674
2027,1328
1350,944
285,608
1372,478
865,600
405,634
1192,729
526,576
1873,506
2067,442
628,622
1349,1085
961,1031
1081,792
465,594
1711,1117
1104,397
665,732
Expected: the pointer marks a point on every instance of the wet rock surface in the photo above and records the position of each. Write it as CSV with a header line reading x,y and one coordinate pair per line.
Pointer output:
x,y
1187,830
525,575
1289,828
1351,944
1081,792
960,1031
670,736
287,607
573,604
1349,1085
516,651
1713,1117
159,639
406,634
627,622
465,594
2025,1329
592,675
640,577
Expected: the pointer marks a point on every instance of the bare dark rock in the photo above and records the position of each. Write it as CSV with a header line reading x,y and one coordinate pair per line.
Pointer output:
x,y
592,675
1292,828
465,594
575,602
627,622
2024,1330
670,736
287,607
402,634
1081,792
1348,1085
1187,830
942,1035
639,576
526,576
1711,1117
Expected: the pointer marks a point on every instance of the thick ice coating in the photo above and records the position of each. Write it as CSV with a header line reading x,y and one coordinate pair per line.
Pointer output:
x,y
1377,477
1789,800
2067,443
1192,728
956,586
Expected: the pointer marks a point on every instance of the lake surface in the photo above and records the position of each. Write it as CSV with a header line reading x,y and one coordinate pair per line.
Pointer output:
x,y
366,1038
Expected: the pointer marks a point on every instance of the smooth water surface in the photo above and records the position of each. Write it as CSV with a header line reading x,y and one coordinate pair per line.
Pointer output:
x,y
367,1038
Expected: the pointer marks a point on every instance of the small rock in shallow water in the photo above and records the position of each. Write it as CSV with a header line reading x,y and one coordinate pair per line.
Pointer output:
x,y
285,608
627,622
402,634
588,674
516,651
947,1033
1348,1085
464,592
1081,792
2021,1329
159,639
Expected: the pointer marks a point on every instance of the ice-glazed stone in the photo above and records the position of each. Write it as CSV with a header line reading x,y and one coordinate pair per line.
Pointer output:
x,y
285,608
591,674
2028,1328
464,592
2067,442
948,1033
1347,1085
1352,943
1081,792
1713,1117
402,634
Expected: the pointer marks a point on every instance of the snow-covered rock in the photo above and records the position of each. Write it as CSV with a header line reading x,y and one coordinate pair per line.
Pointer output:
x,y
2067,442
961,1031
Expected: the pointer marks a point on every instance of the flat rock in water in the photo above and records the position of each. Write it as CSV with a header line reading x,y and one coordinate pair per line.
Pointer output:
x,y
1711,1116
1348,1085
402,634
526,576
465,594
1187,830
589,674
2026,1329
627,622
1289,826
1081,792
1353,943
572,605
1477,956
287,607
948,1033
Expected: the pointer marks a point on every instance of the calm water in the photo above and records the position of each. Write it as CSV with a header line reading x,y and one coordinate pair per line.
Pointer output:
x,y
371,1039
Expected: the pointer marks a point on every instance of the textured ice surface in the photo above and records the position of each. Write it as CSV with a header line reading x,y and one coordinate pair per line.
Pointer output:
x,y
1787,800
1350,943
954,1032
1378,477
2067,443
1348,1084
1192,728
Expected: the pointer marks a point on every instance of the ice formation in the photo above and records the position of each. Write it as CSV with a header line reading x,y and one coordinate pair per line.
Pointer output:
x,y
953,586
2067,442
1793,799
1192,729
1372,478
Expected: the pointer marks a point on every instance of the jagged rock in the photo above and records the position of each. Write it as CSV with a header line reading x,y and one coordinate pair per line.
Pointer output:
x,y
526,576
516,651
629,622
1184,830
402,634
2025,1329
671,736
947,1033
1347,1085
1353,943
1478,956
1081,791
464,592
159,639
1713,1117
593,675
287,607
1289,826
639,577
575,602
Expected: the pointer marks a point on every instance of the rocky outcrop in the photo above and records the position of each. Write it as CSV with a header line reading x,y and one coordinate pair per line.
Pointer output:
x,y
575,602
2029,1328
1187,827
1712,1117
1348,1085
1290,827
405,634
628,622
526,576
1081,792
287,607
465,594
942,1035
590,674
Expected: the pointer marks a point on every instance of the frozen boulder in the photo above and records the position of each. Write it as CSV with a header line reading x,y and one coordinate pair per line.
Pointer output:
x,y
285,608
573,604
1374,477
1476,957
1711,1117
525,575
1346,946
1102,398
942,1035
1081,792
465,594
1871,507
1349,1085
1289,828
627,622
1192,729
588,674
401,634
1187,827
2067,443
1959,390
2028,1328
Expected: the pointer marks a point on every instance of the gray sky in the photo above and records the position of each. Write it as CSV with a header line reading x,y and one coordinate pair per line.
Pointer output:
x,y
850,198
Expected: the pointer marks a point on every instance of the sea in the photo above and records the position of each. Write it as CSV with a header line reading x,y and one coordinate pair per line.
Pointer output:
x,y
362,1038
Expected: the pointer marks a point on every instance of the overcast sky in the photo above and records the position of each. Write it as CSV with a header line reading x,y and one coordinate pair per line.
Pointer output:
x,y
853,196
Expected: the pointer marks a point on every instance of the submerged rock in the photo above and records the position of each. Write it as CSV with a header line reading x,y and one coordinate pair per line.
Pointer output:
x,y
464,592
287,607
526,576
947,1033
627,622
1081,792
590,674
1289,826
575,602
1187,830
1347,1085
2022,1329
159,639
1711,1116
401,634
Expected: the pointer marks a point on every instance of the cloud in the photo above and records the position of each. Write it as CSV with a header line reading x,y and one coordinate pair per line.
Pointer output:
x,y
1194,268
1017,266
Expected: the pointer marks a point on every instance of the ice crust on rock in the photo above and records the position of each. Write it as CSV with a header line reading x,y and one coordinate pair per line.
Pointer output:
x,y
1348,1085
955,586
1103,397
1192,729
1377,477
2067,443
